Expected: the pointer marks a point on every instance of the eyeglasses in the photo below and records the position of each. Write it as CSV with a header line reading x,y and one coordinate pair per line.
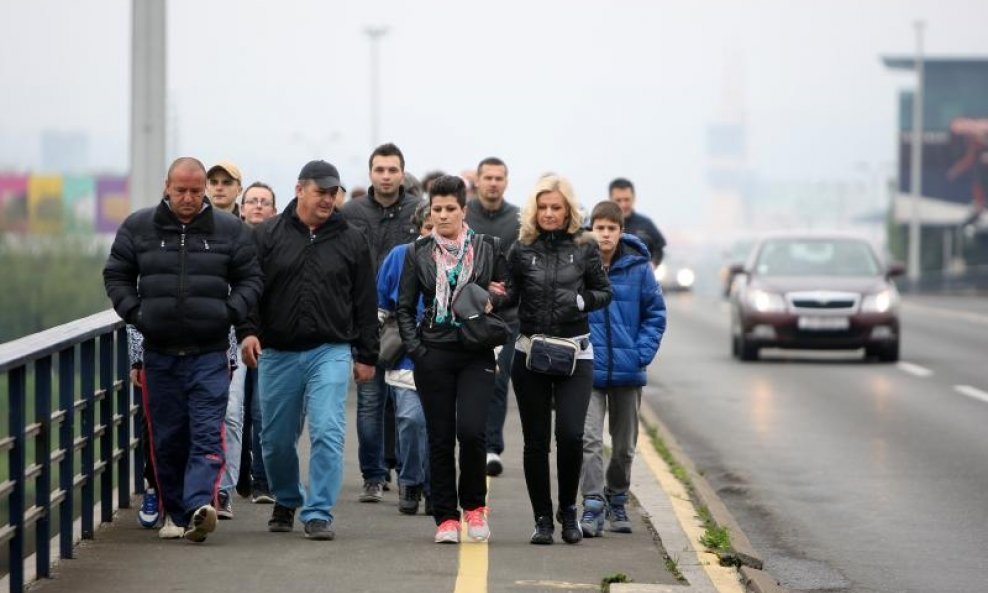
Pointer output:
x,y
264,203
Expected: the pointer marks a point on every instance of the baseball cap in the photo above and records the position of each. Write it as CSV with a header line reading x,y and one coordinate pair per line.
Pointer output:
x,y
231,170
324,174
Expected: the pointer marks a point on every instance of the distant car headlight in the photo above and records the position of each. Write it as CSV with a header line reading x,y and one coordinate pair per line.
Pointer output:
x,y
685,277
660,273
766,302
880,302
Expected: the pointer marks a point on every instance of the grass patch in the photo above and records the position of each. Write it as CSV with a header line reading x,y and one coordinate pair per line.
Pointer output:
x,y
715,537
619,577
673,567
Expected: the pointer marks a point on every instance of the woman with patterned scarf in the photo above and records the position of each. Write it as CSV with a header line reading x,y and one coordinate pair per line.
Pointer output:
x,y
455,383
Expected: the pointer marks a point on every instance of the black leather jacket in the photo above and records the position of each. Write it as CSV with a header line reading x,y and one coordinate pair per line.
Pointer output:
x,y
418,277
546,276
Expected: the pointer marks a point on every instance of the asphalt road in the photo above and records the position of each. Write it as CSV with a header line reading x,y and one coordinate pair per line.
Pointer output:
x,y
847,475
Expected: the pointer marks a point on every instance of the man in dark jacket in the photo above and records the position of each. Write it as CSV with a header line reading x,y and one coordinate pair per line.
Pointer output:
x,y
622,192
384,216
316,320
182,273
490,214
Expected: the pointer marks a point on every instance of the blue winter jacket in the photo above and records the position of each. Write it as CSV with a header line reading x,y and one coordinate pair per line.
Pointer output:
x,y
388,280
626,335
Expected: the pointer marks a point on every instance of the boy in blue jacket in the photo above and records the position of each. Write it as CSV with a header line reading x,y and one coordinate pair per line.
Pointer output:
x,y
625,336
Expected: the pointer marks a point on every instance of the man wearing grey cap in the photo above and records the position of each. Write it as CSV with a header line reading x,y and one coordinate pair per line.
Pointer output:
x,y
317,320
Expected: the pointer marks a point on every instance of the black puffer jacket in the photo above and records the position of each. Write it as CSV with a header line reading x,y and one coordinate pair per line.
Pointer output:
x,y
182,285
418,277
319,287
545,278
384,228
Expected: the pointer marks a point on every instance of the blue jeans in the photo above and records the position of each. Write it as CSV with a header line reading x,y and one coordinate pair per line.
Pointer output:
x,y
186,399
413,440
295,387
499,403
234,427
371,398
257,474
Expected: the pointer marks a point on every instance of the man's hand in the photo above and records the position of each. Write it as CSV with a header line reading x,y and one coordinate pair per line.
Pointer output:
x,y
496,289
250,350
363,373
135,377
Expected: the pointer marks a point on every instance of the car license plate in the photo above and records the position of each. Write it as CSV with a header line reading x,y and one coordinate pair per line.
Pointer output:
x,y
824,323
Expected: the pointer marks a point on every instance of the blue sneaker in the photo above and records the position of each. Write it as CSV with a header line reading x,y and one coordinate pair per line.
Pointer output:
x,y
149,514
592,522
617,514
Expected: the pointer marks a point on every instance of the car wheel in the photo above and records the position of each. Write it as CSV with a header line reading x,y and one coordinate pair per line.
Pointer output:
x,y
746,351
885,353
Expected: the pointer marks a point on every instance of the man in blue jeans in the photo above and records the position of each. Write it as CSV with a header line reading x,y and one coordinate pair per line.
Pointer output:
x,y
181,273
317,320
384,216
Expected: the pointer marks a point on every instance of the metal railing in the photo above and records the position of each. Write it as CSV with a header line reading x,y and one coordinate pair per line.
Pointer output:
x,y
70,413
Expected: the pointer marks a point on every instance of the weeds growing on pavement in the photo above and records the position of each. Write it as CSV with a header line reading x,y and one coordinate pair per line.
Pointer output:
x,y
715,537
673,567
618,577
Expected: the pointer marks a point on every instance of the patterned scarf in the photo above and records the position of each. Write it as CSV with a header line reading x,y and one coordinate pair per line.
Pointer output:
x,y
454,262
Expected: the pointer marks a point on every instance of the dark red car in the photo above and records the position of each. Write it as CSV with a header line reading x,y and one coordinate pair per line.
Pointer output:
x,y
815,292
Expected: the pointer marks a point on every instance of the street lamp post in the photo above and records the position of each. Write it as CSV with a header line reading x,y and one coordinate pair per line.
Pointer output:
x,y
147,103
916,174
375,34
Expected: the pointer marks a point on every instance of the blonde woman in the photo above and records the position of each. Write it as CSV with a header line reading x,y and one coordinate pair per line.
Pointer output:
x,y
556,278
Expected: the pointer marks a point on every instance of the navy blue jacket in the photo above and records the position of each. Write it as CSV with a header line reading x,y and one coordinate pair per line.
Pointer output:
x,y
627,333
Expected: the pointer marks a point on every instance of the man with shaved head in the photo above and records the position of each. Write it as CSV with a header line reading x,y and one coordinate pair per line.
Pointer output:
x,y
181,273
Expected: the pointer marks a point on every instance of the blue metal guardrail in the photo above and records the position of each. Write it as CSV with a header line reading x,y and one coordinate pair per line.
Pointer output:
x,y
95,425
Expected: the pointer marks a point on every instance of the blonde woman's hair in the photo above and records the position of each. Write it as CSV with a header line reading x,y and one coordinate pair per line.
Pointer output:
x,y
529,226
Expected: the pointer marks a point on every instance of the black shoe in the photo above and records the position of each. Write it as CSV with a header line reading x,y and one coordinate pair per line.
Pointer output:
x,y
494,465
567,517
282,519
408,499
319,529
260,494
542,536
427,507
224,507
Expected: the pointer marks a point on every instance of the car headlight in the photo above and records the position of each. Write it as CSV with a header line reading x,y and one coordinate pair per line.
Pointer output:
x,y
685,277
766,302
880,302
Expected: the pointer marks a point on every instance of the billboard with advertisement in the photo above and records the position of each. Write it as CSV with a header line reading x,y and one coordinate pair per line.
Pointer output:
x,y
13,203
112,203
78,203
955,140
44,205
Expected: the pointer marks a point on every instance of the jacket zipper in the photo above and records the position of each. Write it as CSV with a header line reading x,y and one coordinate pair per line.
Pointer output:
x,y
181,275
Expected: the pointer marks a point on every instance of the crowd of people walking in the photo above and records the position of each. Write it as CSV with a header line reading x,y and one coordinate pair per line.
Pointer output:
x,y
248,325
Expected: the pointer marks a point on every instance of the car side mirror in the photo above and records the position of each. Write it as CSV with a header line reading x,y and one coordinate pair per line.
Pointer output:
x,y
736,269
895,269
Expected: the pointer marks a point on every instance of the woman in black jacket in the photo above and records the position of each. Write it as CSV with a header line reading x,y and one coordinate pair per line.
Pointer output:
x,y
556,277
455,383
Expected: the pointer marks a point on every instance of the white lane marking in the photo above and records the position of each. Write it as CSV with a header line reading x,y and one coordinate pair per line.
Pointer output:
x,y
951,313
972,392
914,369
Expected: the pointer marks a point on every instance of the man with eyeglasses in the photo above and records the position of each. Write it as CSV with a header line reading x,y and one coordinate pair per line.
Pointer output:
x,y
257,204
317,323
223,182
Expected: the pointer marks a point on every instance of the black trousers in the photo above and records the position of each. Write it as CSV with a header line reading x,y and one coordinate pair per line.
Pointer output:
x,y
538,395
456,387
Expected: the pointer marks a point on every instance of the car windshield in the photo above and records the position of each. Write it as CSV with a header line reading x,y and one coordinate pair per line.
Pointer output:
x,y
816,257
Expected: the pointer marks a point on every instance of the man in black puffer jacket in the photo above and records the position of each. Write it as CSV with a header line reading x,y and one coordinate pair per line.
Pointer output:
x,y
182,273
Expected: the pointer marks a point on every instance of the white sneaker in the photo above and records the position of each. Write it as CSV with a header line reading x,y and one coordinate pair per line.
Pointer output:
x,y
170,531
494,466
203,523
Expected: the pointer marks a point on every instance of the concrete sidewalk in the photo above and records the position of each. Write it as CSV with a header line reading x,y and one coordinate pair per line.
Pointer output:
x,y
378,549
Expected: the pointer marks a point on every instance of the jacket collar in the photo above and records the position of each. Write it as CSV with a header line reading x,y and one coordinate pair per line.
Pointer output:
x,y
165,218
334,225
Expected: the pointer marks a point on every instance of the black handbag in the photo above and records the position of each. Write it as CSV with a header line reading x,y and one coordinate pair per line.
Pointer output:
x,y
550,355
392,348
478,330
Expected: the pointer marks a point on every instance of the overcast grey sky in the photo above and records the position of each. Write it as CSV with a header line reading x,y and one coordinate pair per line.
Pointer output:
x,y
591,90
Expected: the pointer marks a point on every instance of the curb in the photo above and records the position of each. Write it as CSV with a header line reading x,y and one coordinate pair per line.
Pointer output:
x,y
744,555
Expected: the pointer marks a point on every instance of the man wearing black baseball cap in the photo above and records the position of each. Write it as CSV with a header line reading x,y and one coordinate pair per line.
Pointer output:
x,y
319,304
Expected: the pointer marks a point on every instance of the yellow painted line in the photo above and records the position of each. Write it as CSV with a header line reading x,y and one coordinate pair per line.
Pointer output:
x,y
471,576
724,578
